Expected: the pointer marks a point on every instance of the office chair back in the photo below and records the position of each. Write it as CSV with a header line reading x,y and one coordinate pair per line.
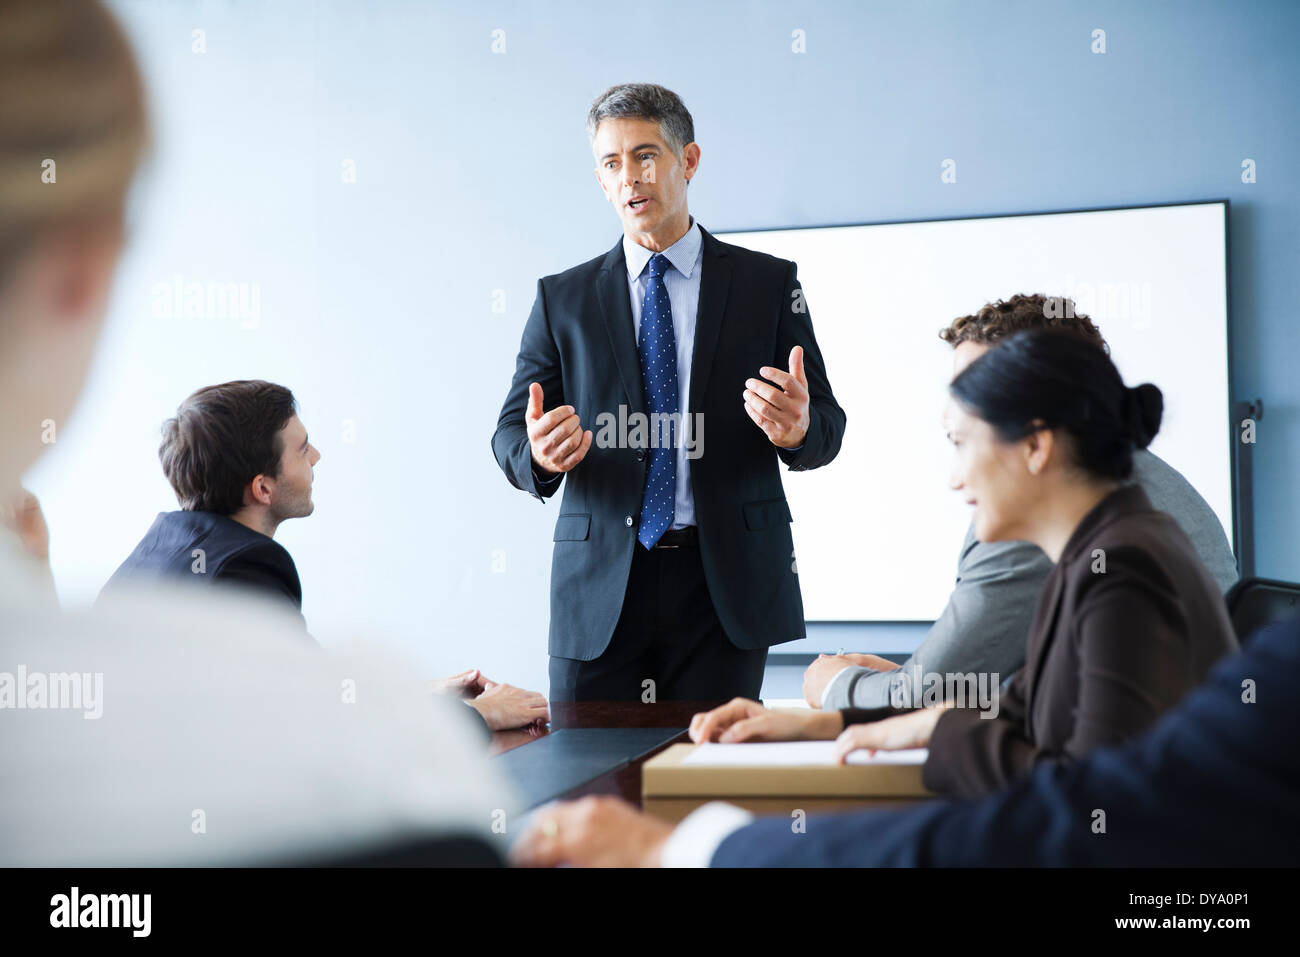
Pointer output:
x,y
1256,602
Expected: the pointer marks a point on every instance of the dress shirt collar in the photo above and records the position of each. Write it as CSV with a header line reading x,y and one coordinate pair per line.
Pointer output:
x,y
683,254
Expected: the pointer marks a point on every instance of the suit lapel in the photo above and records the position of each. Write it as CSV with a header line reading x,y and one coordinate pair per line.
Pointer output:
x,y
1039,639
616,309
1077,548
715,284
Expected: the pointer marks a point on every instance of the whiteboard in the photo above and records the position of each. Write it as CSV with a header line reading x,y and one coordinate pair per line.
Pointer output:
x,y
878,531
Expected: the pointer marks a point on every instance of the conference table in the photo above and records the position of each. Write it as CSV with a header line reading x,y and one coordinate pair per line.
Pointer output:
x,y
623,781
622,778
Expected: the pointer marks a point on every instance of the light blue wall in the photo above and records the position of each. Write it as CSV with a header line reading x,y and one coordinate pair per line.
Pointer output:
x,y
473,175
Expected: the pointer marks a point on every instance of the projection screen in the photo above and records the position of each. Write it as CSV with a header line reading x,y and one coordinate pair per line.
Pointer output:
x,y
877,532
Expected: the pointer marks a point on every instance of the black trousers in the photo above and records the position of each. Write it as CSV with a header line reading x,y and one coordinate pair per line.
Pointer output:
x,y
667,634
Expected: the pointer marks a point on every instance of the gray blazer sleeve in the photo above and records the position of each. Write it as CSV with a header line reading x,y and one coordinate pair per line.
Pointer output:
x,y
983,628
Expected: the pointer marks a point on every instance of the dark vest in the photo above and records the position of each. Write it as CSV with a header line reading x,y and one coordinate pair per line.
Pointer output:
x,y
205,548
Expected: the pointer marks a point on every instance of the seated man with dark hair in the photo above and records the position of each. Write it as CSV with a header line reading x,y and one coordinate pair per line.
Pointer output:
x,y
240,462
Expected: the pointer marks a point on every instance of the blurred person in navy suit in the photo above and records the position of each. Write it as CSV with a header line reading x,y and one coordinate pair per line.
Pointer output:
x,y
1215,783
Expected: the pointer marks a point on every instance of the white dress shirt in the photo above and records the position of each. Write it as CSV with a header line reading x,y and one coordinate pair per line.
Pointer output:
x,y
683,282
697,838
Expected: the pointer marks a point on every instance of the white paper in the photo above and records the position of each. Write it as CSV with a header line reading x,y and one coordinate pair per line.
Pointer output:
x,y
791,754
786,703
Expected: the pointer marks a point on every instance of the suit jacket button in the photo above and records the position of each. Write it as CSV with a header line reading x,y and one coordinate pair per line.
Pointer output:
x,y
629,521
640,455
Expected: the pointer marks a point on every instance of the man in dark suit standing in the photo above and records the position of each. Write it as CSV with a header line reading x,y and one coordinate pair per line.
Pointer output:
x,y
673,568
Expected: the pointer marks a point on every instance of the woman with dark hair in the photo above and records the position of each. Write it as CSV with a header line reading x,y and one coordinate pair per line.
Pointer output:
x,y
1129,620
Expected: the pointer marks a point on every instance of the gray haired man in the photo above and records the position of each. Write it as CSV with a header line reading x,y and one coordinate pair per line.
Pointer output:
x,y
672,570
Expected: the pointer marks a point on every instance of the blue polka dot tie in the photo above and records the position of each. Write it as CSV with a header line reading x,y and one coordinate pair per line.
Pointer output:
x,y
658,348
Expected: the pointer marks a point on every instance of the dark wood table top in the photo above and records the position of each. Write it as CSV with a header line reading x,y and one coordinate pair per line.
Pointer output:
x,y
624,782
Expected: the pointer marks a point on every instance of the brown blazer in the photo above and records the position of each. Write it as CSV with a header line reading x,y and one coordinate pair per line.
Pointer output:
x,y
1108,652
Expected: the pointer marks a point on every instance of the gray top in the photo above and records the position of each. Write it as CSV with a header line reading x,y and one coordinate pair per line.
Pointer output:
x,y
985,624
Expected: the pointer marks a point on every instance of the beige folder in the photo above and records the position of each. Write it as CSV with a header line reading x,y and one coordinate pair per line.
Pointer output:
x,y
665,775
671,789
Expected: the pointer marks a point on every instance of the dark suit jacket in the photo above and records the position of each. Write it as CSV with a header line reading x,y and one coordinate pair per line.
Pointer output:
x,y
579,344
233,554
1215,783
1108,652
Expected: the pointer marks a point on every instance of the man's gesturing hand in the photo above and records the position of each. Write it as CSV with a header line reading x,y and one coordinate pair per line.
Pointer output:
x,y
556,437
781,411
